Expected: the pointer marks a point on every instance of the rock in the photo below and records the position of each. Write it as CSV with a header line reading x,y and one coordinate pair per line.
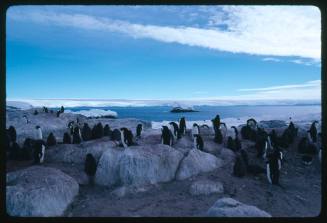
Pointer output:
x,y
228,207
76,153
197,162
130,189
227,155
206,187
138,165
39,192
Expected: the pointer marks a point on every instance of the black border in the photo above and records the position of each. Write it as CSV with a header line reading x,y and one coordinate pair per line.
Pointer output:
x,y
5,4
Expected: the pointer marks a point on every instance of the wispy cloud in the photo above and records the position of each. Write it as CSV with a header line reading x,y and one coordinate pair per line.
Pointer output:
x,y
261,30
271,59
314,83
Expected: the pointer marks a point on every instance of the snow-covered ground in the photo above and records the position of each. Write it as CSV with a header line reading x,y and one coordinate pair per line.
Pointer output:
x,y
94,113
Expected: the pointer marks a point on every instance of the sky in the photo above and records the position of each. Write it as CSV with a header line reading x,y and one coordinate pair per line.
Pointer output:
x,y
163,52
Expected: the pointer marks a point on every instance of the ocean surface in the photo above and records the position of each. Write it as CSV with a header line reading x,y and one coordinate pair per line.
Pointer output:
x,y
260,112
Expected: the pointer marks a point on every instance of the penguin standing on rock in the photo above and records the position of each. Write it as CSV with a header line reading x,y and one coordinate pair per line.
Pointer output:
x,y
273,161
86,132
106,130
26,119
313,132
166,136
71,127
116,136
223,129
51,140
90,167
77,136
198,142
126,137
182,126
38,132
233,142
67,139
39,151
139,129
195,130
175,130
249,131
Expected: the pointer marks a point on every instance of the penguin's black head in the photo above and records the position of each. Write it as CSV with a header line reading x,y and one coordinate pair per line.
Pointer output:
x,y
37,127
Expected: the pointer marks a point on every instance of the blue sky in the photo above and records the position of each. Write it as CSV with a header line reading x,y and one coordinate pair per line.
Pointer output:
x,y
163,52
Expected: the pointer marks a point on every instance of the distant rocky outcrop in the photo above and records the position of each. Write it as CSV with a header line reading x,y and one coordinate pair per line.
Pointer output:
x,y
228,207
197,162
39,192
138,165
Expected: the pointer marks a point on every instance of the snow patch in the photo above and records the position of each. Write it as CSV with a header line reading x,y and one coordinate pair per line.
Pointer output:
x,y
94,113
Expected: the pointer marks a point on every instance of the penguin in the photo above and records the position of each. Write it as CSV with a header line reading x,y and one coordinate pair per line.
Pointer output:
x,y
76,136
239,168
313,132
38,132
198,142
106,130
260,142
62,109
90,167
175,130
273,164
67,139
97,131
35,112
307,160
268,147
71,127
205,126
195,130
86,132
182,126
248,131
223,129
45,109
12,134
39,151
218,136
234,133
166,136
139,128
116,136
26,119
51,140
216,123
126,137
27,150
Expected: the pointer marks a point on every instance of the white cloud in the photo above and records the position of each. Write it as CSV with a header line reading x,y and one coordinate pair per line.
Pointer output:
x,y
257,30
314,83
271,59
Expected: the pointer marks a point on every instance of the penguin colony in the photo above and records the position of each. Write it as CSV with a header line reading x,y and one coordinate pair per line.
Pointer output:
x,y
268,146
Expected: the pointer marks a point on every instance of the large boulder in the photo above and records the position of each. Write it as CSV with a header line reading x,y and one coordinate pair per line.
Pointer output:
x,y
39,192
197,162
76,153
138,165
206,187
228,207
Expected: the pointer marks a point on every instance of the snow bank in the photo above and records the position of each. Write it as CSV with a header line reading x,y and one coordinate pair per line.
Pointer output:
x,y
94,113
19,105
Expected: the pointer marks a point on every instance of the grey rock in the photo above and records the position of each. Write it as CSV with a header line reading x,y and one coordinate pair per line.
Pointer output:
x,y
197,162
138,165
39,192
206,187
228,207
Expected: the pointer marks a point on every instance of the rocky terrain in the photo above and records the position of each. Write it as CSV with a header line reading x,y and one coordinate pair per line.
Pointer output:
x,y
151,179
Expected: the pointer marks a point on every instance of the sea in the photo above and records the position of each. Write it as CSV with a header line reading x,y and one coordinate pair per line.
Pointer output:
x,y
239,112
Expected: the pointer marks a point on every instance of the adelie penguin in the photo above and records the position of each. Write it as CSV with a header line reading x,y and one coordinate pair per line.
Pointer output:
x,y
67,139
51,140
166,136
71,127
38,133
139,129
107,131
116,136
90,167
261,141
175,130
77,137
86,132
198,142
223,129
313,132
195,130
182,126
39,151
233,142
274,158
26,119
126,137
249,131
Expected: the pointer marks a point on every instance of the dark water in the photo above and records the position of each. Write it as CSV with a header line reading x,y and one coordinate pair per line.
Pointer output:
x,y
161,113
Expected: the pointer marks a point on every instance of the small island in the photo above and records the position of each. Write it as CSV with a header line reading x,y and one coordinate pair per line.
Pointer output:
x,y
180,109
